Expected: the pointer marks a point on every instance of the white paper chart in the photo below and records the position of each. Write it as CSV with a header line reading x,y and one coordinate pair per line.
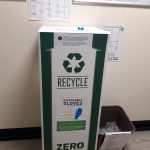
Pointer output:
x,y
113,53
53,10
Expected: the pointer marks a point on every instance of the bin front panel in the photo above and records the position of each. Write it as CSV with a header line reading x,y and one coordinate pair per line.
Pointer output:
x,y
71,70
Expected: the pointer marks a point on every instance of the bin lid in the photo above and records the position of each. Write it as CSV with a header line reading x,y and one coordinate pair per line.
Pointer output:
x,y
73,29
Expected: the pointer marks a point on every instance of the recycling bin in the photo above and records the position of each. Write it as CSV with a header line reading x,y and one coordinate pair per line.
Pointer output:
x,y
71,71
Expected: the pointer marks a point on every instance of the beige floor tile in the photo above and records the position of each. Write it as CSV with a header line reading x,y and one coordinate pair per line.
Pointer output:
x,y
140,135
21,145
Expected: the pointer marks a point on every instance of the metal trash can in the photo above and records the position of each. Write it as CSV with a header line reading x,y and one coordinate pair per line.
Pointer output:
x,y
114,140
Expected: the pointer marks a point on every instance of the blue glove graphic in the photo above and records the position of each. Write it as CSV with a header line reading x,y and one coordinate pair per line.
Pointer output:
x,y
78,113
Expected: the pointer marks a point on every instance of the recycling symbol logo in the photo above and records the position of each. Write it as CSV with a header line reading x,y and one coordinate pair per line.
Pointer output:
x,y
74,63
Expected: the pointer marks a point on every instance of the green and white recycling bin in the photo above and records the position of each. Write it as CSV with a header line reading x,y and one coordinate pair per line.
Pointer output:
x,y
71,68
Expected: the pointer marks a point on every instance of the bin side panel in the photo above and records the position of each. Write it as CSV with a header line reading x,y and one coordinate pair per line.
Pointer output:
x,y
46,42
115,142
99,43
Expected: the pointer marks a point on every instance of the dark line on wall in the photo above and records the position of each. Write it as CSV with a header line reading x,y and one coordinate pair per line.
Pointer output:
x,y
20,133
142,125
35,132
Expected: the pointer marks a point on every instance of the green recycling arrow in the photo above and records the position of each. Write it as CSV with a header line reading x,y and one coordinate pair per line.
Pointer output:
x,y
78,67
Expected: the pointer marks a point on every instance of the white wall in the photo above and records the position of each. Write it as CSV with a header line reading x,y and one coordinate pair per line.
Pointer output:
x,y
126,83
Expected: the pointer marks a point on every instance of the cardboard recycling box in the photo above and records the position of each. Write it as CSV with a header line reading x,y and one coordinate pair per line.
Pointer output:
x,y
72,63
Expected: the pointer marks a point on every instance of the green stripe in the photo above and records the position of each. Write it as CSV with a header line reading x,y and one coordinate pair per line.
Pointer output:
x,y
99,43
46,44
71,125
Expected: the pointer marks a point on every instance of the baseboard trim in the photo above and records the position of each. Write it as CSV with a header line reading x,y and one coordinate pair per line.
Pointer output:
x,y
20,134
142,125
35,132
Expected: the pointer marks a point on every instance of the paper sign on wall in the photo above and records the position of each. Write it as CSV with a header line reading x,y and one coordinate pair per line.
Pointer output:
x,y
53,10
113,51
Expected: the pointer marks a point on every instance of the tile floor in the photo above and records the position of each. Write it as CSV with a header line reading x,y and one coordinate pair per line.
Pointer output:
x,y
21,145
36,144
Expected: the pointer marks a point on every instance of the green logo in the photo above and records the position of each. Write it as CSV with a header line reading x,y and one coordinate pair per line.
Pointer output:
x,y
73,63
